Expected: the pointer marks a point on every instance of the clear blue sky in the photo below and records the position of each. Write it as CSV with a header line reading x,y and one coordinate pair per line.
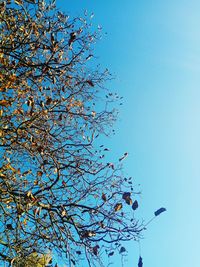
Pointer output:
x,y
153,48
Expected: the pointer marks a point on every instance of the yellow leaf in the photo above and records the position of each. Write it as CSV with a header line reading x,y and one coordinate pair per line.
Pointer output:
x,y
18,2
30,196
34,260
1,112
2,175
9,167
91,233
7,200
35,182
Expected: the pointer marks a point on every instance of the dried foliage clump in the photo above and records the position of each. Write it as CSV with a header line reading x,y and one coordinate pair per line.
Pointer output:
x,y
57,192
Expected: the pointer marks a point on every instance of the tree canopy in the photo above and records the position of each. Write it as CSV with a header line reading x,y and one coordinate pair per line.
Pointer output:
x,y
57,191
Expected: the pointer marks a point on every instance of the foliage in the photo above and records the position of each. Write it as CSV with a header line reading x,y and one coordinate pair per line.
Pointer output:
x,y
33,260
56,190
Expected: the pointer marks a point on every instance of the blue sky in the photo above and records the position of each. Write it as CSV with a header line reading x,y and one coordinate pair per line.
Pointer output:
x,y
153,49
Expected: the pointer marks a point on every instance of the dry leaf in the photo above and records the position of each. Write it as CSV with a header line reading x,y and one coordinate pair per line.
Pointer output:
x,y
111,254
18,2
127,197
95,250
135,205
118,206
4,103
104,197
39,173
90,83
122,249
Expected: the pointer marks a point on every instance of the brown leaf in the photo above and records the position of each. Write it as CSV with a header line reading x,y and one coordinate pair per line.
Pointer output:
x,y
72,38
95,250
26,172
4,103
39,173
60,117
86,234
90,83
104,197
111,253
9,226
118,206
101,224
9,167
129,201
30,196
127,197
39,149
135,205
122,249
49,100
20,210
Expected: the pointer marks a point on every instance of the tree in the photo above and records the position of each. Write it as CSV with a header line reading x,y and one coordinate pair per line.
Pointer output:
x,y
57,192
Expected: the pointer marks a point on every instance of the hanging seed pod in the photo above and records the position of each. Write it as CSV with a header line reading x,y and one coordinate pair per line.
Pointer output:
x,y
159,211
140,263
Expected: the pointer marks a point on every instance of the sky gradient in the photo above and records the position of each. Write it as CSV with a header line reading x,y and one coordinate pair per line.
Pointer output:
x,y
153,49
